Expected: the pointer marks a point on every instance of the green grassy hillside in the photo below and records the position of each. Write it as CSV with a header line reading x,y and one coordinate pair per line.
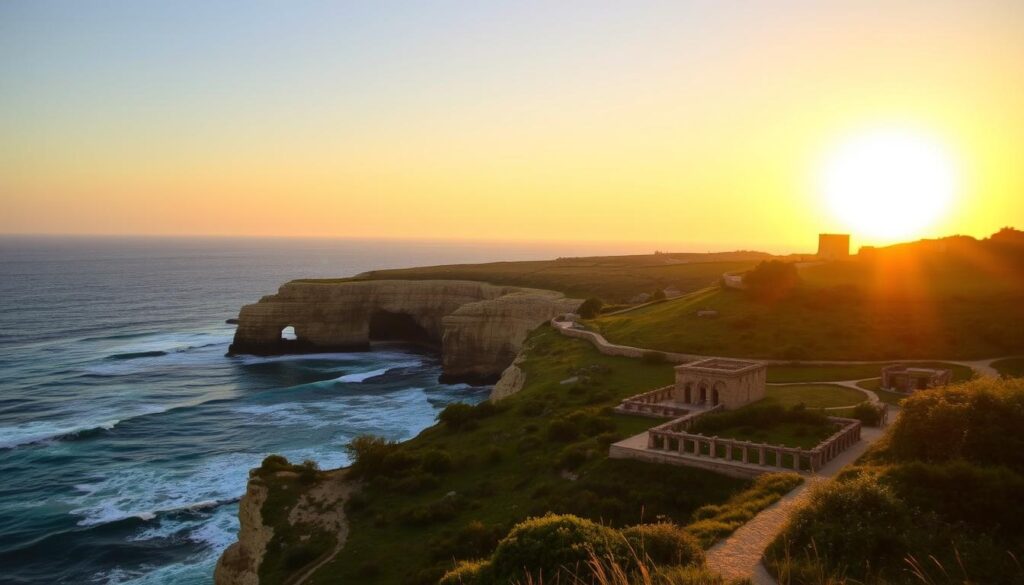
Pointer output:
x,y
841,311
452,492
937,500
614,279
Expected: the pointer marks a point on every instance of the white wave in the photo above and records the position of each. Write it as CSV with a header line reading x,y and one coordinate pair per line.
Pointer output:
x,y
42,431
363,376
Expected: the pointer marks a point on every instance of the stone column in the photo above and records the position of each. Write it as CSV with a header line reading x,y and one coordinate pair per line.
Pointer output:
x,y
761,456
728,451
744,447
796,460
713,447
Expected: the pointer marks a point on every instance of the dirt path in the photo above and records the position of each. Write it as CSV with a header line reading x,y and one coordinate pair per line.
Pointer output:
x,y
332,493
981,367
739,555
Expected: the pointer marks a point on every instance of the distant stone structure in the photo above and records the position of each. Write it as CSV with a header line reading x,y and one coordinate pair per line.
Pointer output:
x,y
713,385
731,383
833,246
906,379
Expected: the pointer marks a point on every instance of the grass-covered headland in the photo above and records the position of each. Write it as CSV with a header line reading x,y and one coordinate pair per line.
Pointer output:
x,y
936,501
461,489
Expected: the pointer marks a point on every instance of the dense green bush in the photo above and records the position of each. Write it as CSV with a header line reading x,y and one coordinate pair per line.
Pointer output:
x,y
868,414
457,415
941,490
551,545
375,456
981,421
771,280
436,461
758,416
473,541
590,308
858,524
664,544
563,430
439,510
469,573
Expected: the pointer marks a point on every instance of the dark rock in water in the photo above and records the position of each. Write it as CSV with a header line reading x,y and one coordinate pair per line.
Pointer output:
x,y
231,321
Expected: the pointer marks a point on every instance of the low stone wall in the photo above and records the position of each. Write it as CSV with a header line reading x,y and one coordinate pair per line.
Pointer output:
x,y
651,404
602,345
673,437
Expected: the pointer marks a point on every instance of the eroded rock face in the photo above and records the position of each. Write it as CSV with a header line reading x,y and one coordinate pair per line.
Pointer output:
x,y
239,563
478,327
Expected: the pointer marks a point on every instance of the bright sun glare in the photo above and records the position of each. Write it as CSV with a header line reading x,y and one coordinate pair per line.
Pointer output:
x,y
889,183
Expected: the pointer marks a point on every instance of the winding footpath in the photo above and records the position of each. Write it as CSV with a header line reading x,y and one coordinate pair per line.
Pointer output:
x,y
739,555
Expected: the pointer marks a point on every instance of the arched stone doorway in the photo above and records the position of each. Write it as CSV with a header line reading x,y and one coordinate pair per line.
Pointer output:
x,y
688,393
703,392
716,397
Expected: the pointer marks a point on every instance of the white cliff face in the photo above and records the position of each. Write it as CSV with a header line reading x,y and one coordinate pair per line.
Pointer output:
x,y
479,327
239,563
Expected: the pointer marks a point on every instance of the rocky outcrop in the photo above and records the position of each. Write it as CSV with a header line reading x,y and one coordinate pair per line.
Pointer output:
x,y
478,327
512,380
239,563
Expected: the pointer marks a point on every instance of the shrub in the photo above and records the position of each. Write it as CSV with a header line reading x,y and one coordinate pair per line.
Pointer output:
x,y
414,483
572,457
372,456
664,544
436,461
308,471
531,408
274,463
563,430
468,573
853,523
552,546
472,541
590,308
868,413
437,511
457,415
980,421
771,280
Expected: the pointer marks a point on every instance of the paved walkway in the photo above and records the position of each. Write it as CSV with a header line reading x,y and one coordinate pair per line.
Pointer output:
x,y
739,555
980,367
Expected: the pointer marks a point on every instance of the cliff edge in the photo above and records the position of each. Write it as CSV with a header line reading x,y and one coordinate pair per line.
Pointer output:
x,y
478,327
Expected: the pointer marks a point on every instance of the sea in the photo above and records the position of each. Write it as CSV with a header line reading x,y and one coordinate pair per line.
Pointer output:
x,y
127,434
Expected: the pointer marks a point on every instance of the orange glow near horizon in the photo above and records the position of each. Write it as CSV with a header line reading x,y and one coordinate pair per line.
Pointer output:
x,y
689,127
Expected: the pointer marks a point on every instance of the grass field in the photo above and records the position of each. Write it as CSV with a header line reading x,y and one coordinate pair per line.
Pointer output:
x,y
1010,368
814,395
512,464
810,373
614,279
788,434
818,323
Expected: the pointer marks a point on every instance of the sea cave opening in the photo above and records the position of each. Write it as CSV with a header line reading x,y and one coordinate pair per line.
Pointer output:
x,y
288,334
388,326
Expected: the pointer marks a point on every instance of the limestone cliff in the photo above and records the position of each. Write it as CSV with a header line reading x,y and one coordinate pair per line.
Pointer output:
x,y
479,327
239,563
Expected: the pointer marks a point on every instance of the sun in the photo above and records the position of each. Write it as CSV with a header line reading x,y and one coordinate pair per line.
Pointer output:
x,y
889,183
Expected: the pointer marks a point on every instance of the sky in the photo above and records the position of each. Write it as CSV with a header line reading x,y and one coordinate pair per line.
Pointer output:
x,y
700,125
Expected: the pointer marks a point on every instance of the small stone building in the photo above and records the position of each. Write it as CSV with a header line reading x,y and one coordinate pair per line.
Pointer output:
x,y
907,379
833,246
729,382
